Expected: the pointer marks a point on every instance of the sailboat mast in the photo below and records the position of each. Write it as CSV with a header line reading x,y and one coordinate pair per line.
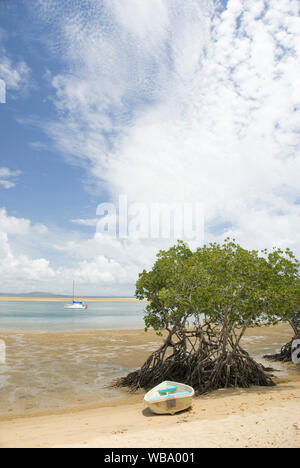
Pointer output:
x,y
73,290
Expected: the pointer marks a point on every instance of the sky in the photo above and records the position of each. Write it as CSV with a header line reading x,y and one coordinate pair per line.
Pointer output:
x,y
161,101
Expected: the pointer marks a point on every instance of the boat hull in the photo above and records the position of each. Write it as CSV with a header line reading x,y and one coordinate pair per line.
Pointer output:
x,y
169,402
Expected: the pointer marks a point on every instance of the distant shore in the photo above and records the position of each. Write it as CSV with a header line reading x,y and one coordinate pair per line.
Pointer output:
x,y
67,299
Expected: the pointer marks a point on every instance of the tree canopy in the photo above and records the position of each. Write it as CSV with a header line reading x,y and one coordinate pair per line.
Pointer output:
x,y
205,300
222,282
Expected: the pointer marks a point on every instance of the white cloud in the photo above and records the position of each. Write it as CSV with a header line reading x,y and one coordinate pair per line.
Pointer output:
x,y
168,101
99,265
13,75
144,20
7,177
18,270
16,75
92,222
12,224
222,127
6,184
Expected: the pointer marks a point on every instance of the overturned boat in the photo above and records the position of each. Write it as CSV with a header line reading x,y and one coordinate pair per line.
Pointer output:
x,y
169,397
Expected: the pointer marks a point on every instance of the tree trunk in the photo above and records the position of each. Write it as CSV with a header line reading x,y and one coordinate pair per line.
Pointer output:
x,y
285,354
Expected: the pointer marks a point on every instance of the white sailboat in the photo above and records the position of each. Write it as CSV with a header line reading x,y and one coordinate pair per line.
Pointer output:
x,y
77,305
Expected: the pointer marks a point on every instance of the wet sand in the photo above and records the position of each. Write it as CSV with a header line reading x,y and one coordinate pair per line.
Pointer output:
x,y
53,393
54,371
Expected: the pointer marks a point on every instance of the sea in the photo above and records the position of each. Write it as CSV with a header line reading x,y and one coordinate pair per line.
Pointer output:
x,y
52,317
53,358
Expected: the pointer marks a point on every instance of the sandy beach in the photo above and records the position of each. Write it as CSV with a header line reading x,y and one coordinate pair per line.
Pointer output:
x,y
255,417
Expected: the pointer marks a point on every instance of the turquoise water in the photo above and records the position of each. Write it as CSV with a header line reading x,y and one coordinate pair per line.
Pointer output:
x,y
51,316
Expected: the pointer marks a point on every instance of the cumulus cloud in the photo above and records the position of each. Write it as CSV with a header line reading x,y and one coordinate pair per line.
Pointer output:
x,y
99,265
17,268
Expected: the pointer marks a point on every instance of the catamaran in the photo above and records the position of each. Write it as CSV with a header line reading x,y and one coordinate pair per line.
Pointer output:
x,y
77,305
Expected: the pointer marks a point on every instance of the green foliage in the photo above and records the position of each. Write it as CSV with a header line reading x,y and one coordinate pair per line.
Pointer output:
x,y
225,283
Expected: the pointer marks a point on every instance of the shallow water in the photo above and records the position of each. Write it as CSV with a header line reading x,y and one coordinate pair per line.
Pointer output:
x,y
53,371
51,316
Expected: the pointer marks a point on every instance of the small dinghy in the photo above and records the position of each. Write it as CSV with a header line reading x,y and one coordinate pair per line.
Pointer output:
x,y
169,397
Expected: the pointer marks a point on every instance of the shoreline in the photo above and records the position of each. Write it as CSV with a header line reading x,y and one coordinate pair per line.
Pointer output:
x,y
67,299
245,418
58,395
57,370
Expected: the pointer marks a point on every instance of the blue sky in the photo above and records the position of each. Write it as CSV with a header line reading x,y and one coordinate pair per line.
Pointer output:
x,y
47,180
163,101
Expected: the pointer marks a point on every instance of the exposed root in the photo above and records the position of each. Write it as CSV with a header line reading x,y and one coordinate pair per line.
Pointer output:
x,y
203,365
285,354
